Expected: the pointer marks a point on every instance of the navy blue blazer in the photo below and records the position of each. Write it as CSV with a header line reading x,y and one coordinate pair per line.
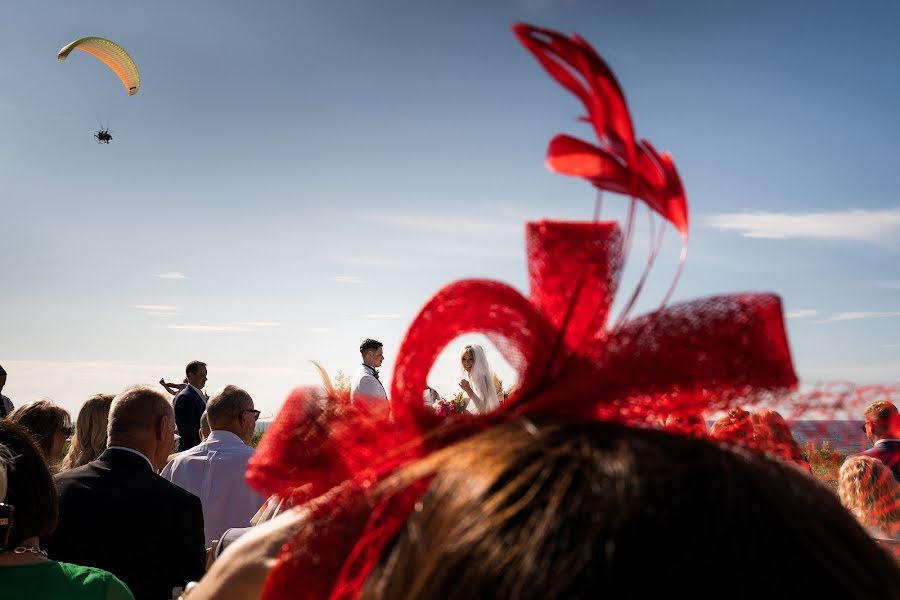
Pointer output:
x,y
189,407
117,514
888,452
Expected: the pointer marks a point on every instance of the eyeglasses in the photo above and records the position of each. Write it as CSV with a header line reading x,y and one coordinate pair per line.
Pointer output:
x,y
256,413
6,523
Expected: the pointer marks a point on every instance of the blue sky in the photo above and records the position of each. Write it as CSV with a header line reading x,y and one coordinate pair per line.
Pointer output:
x,y
295,176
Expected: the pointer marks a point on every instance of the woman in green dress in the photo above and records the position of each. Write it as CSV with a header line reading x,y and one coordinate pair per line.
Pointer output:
x,y
29,510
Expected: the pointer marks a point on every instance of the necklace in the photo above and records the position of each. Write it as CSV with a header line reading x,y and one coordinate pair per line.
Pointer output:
x,y
30,550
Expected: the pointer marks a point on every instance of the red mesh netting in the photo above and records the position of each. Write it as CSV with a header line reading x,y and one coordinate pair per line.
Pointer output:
x,y
670,368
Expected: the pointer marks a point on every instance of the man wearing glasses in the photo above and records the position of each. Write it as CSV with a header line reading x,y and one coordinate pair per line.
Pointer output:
x,y
214,470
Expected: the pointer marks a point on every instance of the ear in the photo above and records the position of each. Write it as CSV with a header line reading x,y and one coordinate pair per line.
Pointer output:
x,y
163,427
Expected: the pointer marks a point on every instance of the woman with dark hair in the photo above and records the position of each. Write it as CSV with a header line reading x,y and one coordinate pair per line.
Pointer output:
x,y
25,570
89,440
49,424
556,508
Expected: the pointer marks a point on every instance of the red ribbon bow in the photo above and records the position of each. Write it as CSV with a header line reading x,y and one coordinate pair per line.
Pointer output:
x,y
680,360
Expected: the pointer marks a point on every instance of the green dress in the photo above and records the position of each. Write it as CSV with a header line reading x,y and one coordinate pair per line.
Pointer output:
x,y
58,580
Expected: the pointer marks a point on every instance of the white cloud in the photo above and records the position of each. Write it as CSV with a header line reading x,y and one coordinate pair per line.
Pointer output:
x,y
801,313
350,279
892,285
156,307
890,345
319,330
880,227
383,316
171,275
211,328
855,315
153,313
260,324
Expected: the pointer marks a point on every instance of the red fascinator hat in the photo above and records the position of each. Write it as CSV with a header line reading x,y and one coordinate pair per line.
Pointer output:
x,y
573,360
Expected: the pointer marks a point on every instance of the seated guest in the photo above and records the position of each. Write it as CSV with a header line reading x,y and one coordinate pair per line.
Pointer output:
x,y
214,470
26,487
118,514
49,424
603,502
89,439
867,489
882,427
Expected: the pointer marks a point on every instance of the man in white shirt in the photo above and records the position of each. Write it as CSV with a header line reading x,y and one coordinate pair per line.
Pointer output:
x,y
214,470
366,383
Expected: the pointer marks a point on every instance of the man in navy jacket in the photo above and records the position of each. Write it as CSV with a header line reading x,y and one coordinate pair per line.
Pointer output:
x,y
189,404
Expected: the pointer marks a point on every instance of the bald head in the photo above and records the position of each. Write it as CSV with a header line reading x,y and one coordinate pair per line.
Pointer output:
x,y
226,403
231,409
136,410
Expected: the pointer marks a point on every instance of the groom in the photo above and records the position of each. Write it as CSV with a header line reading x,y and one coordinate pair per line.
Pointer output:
x,y
365,384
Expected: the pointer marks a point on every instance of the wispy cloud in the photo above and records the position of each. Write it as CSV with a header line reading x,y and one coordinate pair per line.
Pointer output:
x,y
173,275
890,345
319,330
880,227
211,328
802,313
156,308
855,315
260,324
891,285
383,316
154,313
346,279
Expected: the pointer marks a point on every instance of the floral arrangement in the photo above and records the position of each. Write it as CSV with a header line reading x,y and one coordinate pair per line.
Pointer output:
x,y
451,406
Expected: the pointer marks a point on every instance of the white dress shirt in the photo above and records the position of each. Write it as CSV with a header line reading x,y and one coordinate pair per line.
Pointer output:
x,y
214,472
365,385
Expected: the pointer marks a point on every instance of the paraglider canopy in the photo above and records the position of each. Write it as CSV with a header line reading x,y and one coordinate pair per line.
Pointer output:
x,y
115,57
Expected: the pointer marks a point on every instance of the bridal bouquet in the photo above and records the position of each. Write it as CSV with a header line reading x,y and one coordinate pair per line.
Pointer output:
x,y
451,406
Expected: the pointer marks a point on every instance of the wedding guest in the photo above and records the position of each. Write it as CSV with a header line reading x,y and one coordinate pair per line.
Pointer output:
x,y
365,383
50,425
89,439
867,489
189,404
882,427
772,434
604,501
25,569
214,470
476,379
118,514
6,405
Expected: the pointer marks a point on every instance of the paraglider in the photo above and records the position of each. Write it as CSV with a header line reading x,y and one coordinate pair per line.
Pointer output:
x,y
103,136
116,58
113,55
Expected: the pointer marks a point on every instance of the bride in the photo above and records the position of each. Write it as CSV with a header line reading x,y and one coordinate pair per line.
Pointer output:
x,y
476,379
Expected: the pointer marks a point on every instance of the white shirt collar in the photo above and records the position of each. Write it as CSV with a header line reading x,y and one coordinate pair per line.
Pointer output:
x,y
133,451
199,392
224,437
886,440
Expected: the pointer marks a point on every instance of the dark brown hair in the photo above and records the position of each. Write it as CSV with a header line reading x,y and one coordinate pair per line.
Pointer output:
x,y
43,419
369,344
194,366
561,509
30,487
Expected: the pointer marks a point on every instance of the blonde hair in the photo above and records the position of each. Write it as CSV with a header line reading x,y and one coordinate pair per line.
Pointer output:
x,y
89,440
867,489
